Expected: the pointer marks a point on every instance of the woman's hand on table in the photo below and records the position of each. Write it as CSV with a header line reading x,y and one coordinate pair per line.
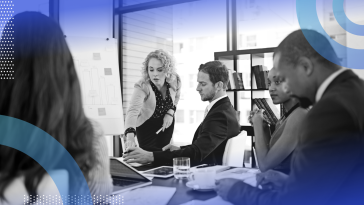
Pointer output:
x,y
130,141
137,154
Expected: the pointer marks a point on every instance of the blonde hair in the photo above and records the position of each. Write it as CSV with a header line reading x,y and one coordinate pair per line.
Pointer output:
x,y
168,63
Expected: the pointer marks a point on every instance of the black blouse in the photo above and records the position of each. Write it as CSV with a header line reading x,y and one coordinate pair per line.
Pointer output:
x,y
162,105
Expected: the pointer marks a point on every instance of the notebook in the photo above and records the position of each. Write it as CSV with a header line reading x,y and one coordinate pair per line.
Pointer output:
x,y
125,177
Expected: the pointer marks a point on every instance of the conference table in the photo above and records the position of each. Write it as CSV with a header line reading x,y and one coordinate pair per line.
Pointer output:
x,y
183,194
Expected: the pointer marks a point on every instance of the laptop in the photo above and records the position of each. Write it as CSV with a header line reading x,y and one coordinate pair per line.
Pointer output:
x,y
125,177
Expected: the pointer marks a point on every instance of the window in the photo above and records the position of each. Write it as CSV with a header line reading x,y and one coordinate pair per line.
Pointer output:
x,y
192,80
143,32
185,30
180,116
200,114
192,116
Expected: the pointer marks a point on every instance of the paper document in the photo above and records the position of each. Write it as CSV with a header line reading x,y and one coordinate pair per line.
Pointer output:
x,y
245,174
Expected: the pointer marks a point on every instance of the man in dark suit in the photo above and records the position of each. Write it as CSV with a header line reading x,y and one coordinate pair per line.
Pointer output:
x,y
219,124
328,164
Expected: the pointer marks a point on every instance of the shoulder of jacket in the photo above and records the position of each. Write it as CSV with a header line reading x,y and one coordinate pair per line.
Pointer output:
x,y
143,85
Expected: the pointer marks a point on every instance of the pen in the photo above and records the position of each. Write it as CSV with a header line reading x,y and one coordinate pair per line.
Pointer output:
x,y
159,130
205,165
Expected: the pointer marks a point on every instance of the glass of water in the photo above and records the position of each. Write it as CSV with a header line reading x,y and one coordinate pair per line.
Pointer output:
x,y
181,167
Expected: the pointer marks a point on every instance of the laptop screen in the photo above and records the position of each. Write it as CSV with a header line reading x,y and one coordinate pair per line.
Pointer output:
x,y
119,169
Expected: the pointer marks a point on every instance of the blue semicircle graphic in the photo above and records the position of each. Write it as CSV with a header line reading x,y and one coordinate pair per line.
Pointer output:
x,y
344,21
308,19
47,151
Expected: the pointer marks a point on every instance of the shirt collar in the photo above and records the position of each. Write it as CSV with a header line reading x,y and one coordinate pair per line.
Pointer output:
x,y
327,82
213,102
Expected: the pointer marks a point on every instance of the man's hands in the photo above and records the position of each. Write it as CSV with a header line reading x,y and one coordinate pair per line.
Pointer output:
x,y
136,154
271,179
170,147
223,187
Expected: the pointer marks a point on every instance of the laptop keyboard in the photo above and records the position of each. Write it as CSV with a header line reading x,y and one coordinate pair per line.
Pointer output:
x,y
122,182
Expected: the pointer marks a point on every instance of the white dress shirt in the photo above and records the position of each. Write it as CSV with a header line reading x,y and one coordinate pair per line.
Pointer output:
x,y
213,103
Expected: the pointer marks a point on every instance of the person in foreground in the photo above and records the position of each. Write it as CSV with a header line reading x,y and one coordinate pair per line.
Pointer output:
x,y
153,103
219,124
45,92
275,151
328,163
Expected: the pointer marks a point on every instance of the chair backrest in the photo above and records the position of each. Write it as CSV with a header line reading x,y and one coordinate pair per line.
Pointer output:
x,y
255,158
15,192
234,150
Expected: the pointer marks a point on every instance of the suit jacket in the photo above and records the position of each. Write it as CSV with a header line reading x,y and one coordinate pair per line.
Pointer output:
x,y
143,101
208,146
328,164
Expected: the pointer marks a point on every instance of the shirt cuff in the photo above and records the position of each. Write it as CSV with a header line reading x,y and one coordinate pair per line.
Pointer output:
x,y
162,158
130,130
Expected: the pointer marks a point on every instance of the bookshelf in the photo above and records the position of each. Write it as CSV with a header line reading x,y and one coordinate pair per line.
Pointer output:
x,y
243,61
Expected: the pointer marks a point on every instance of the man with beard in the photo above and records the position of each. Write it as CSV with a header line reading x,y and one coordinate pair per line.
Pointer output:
x,y
328,164
219,124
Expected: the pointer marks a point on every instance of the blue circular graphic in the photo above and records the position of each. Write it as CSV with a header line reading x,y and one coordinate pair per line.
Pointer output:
x,y
308,19
47,151
344,21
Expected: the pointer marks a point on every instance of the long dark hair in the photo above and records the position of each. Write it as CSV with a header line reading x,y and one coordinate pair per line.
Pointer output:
x,y
45,92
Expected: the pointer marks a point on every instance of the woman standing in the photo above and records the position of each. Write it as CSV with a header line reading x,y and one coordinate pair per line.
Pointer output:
x,y
275,151
150,115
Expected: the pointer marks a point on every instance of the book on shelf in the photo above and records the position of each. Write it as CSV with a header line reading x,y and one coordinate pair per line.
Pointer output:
x,y
238,115
271,112
241,82
238,78
261,76
272,107
256,70
266,115
265,72
262,79
231,79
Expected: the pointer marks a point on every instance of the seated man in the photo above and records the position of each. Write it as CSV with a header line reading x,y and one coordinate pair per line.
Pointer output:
x,y
219,124
328,163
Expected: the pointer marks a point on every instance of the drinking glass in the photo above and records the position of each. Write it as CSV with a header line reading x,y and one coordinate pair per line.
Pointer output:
x,y
181,167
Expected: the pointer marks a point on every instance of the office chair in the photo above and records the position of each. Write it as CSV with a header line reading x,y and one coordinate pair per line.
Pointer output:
x,y
234,154
250,132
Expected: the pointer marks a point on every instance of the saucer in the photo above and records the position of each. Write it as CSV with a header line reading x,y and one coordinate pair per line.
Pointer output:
x,y
194,186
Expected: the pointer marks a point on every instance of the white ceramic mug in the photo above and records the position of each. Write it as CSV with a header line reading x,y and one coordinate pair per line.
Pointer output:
x,y
204,178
